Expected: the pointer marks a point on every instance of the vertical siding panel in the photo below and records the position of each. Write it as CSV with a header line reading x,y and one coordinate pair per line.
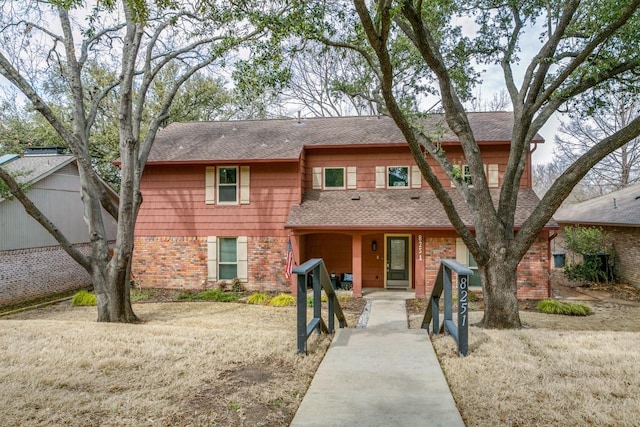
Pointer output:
x,y
242,254
212,258
245,178
380,177
210,185
461,252
493,176
416,177
351,178
317,178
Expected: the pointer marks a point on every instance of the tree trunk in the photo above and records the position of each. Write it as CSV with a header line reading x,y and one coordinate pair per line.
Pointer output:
x,y
500,295
113,297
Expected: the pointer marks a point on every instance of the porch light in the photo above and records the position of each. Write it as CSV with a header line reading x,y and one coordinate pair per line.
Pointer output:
x,y
374,246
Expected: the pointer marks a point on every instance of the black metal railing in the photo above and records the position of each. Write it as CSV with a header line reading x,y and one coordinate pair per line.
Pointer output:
x,y
459,332
314,271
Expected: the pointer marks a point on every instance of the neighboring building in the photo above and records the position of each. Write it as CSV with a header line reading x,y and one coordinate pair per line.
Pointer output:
x,y
223,199
618,214
32,264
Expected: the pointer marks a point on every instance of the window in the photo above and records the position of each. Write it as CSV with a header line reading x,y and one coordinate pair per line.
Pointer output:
x,y
397,176
466,175
473,266
334,178
491,171
227,258
464,257
228,184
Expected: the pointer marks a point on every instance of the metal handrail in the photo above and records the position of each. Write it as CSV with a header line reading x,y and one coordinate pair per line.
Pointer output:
x,y
315,269
459,332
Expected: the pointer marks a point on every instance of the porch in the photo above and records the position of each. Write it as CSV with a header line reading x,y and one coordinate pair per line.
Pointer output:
x,y
374,261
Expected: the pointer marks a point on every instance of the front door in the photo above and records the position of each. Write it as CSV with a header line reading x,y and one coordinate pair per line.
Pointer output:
x,y
398,262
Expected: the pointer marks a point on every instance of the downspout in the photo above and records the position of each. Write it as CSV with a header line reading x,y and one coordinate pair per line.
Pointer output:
x,y
550,238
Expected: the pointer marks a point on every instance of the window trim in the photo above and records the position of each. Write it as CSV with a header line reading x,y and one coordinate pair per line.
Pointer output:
x,y
219,257
324,178
386,178
220,184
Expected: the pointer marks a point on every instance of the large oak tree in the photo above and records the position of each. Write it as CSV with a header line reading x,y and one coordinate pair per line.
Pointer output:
x,y
133,43
580,46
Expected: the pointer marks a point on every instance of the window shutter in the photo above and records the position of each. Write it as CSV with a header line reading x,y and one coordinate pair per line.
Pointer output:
x,y
243,259
493,176
245,179
461,252
351,178
380,177
317,178
212,258
210,185
416,177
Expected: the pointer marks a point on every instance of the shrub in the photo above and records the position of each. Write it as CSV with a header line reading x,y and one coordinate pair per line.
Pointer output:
x,y
83,298
282,300
342,297
259,298
210,295
142,294
596,249
323,298
551,306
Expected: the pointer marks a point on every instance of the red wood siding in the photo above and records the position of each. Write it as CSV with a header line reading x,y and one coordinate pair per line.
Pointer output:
x,y
366,160
174,203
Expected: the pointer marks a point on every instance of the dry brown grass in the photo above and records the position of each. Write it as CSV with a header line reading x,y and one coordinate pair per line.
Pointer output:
x,y
538,377
188,364
557,371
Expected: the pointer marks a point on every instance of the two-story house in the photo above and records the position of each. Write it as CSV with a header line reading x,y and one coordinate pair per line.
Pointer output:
x,y
224,200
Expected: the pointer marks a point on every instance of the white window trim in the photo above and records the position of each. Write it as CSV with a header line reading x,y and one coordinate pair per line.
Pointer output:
x,y
213,264
324,178
386,178
237,185
462,256
221,263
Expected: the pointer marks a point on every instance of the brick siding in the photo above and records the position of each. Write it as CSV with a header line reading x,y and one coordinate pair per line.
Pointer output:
x,y
267,259
170,262
28,274
181,263
533,271
436,249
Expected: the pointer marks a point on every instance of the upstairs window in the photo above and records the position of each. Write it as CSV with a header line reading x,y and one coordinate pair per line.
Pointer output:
x,y
228,184
398,176
334,178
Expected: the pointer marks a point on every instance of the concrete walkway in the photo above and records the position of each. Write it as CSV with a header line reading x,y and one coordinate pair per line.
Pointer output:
x,y
382,375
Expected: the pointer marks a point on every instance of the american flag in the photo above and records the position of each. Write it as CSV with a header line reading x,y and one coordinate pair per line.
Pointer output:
x,y
289,266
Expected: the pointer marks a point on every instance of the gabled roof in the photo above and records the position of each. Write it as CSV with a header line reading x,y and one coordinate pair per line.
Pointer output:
x,y
389,208
30,169
33,168
284,139
621,207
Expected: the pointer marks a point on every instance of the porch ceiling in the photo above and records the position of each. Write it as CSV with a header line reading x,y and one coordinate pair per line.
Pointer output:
x,y
388,208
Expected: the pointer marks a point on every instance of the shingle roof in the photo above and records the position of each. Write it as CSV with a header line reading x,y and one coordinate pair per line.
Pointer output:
x,y
284,139
388,208
621,207
34,168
